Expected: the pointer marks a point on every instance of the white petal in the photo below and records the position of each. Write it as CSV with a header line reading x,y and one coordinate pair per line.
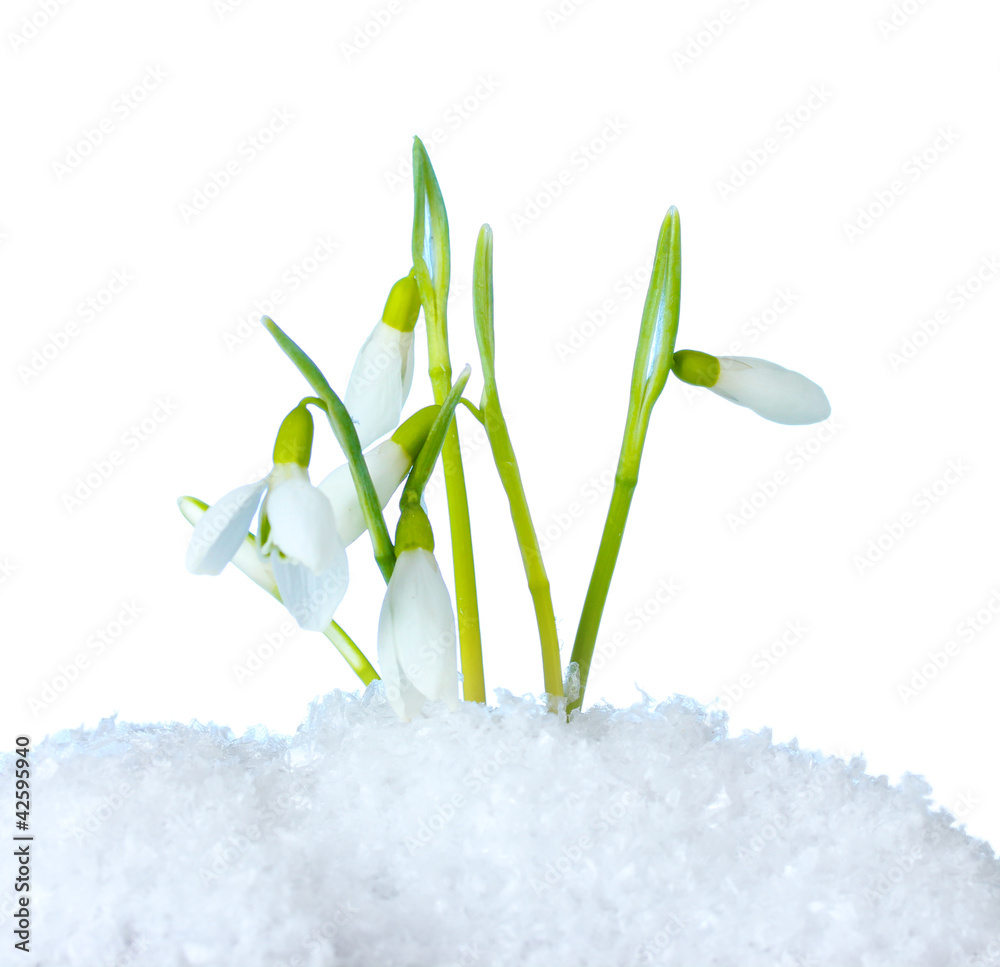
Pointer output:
x,y
388,464
301,520
219,533
771,391
417,645
380,382
311,598
246,558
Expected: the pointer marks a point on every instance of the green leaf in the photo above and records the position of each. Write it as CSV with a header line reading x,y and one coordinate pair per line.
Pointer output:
x,y
347,436
660,315
431,247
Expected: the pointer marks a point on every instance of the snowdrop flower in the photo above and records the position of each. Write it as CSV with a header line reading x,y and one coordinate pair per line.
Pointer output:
x,y
770,390
417,645
383,371
246,557
388,464
298,538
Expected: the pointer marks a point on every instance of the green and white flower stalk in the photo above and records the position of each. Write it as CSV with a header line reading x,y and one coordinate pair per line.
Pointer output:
x,y
424,640
383,371
431,251
417,642
298,537
771,391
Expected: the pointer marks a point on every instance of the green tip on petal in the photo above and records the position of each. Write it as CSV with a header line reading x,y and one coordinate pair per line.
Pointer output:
x,y
413,530
192,508
295,437
696,368
403,305
412,432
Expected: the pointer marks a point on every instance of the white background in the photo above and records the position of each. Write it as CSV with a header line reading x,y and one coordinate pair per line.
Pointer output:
x,y
637,107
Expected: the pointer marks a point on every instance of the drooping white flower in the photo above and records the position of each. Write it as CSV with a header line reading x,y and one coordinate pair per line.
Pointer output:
x,y
388,464
301,546
417,645
771,391
247,557
222,528
383,371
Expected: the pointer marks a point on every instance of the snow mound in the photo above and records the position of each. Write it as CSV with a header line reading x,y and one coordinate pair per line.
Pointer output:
x,y
497,836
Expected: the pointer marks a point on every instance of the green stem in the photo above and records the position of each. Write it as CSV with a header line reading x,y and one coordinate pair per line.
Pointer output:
x,y
531,553
347,436
432,268
626,476
653,356
473,409
507,468
361,666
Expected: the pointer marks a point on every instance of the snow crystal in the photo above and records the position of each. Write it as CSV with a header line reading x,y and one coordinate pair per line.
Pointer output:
x,y
500,836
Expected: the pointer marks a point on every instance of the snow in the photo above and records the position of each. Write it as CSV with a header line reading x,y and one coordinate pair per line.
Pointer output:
x,y
500,836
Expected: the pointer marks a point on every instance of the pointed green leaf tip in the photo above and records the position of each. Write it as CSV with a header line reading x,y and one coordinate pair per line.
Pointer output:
x,y
660,314
430,245
403,305
295,437
696,368
482,300
411,433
